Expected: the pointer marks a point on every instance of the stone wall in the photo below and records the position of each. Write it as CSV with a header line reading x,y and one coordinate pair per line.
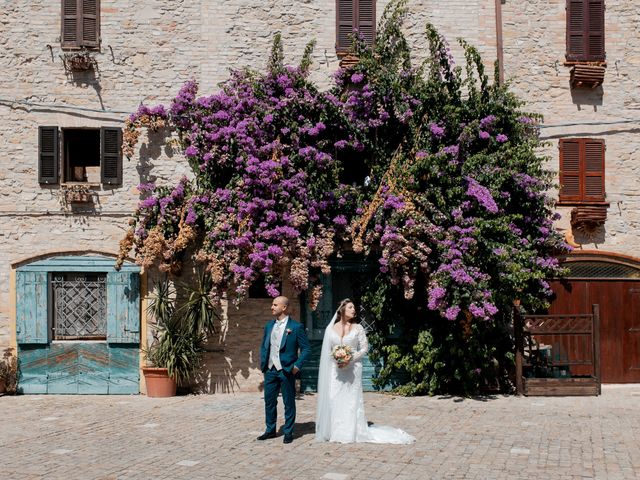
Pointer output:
x,y
535,47
148,50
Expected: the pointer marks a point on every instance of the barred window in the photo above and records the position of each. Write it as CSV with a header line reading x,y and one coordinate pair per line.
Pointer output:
x,y
79,307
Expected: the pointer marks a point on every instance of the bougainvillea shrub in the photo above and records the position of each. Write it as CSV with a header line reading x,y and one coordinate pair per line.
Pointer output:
x,y
431,170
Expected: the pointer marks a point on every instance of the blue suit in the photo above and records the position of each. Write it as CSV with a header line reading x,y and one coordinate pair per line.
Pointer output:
x,y
294,350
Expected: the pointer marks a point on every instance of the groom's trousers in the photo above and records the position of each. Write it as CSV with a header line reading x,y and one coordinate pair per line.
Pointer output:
x,y
274,382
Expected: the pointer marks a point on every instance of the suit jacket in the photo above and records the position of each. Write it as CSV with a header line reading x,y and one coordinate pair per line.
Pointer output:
x,y
294,340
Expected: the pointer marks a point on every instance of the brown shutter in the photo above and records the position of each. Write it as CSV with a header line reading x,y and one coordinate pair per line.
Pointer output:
x,y
345,16
71,24
593,170
111,155
570,171
48,154
367,20
90,23
595,31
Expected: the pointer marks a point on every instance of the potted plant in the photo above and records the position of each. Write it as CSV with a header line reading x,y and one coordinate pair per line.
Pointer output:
x,y
8,371
174,356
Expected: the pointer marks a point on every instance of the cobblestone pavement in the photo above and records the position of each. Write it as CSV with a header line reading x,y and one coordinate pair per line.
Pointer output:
x,y
213,437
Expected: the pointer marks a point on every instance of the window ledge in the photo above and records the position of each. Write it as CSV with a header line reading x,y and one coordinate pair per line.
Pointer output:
x,y
589,216
578,203
80,184
573,63
587,75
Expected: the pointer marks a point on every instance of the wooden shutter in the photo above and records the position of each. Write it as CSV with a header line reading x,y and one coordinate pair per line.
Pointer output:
x,y
48,155
595,30
71,24
80,23
585,30
570,171
90,23
367,20
123,307
582,170
111,155
32,314
593,171
345,22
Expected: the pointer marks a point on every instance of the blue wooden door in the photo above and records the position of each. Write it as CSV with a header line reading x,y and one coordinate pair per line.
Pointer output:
x,y
85,367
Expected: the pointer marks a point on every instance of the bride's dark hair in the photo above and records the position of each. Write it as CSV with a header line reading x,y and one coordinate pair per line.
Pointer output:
x,y
342,307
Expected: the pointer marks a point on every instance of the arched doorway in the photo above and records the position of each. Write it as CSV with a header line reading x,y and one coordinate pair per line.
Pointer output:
x,y
613,282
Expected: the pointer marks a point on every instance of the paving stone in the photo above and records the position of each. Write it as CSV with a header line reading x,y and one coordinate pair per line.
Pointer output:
x,y
214,436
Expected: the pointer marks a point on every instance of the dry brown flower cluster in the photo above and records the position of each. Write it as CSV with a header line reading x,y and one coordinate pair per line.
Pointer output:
x,y
131,132
125,247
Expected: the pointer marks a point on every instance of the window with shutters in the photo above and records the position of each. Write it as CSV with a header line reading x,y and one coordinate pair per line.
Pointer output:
x,y
80,24
585,31
80,155
582,171
354,16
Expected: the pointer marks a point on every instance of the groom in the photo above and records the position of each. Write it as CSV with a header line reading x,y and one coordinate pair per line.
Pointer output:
x,y
279,361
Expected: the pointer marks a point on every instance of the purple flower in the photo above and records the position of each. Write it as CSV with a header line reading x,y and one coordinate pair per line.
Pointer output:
x,y
436,295
525,120
191,151
357,78
487,121
393,203
482,195
191,217
490,308
340,220
484,135
436,130
452,312
501,138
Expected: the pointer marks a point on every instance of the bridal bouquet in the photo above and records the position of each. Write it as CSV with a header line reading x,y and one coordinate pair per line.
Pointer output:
x,y
342,354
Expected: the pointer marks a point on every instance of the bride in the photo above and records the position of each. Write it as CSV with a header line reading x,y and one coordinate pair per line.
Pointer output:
x,y
340,410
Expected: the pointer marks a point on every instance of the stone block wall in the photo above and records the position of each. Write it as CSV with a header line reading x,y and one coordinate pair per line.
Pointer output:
x,y
535,47
148,50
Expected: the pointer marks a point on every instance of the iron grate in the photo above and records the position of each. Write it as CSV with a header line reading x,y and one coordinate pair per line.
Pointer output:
x,y
592,269
79,305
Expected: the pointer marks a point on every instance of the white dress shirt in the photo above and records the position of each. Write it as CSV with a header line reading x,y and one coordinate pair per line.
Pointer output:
x,y
276,338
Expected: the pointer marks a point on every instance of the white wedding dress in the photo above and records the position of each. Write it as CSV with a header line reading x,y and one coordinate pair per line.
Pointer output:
x,y
340,412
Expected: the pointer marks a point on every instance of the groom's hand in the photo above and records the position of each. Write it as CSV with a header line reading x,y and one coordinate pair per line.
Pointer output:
x,y
295,370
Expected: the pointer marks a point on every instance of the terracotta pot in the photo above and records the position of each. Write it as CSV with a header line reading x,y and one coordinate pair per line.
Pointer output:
x,y
159,383
3,385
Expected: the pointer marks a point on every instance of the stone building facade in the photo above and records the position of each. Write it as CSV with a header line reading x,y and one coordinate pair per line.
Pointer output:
x,y
147,50
592,102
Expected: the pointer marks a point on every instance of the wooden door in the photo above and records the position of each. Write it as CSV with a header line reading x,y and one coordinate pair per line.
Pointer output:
x,y
619,302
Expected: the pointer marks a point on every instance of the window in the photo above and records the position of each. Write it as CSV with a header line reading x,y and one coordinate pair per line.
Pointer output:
x,y
92,155
79,306
353,15
582,170
585,31
80,24
77,297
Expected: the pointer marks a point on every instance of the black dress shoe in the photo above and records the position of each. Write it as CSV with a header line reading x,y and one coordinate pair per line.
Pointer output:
x,y
267,435
287,439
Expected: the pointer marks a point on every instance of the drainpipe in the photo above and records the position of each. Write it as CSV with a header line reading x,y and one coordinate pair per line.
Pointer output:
x,y
499,46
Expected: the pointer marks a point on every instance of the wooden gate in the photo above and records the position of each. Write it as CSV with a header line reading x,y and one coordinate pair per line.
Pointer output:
x,y
619,331
558,354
